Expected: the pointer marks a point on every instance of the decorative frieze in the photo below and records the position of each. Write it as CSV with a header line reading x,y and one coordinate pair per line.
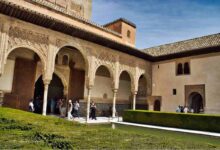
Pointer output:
x,y
19,36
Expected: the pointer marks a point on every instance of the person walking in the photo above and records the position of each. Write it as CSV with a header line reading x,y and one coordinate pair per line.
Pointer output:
x,y
70,108
76,109
93,111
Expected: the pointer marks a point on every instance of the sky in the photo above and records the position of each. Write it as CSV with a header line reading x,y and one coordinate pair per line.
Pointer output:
x,y
162,21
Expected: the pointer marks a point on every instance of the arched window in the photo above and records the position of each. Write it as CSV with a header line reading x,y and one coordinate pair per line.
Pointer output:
x,y
65,60
179,69
128,33
186,68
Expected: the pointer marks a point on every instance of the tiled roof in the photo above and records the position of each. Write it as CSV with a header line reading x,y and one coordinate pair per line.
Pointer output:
x,y
185,46
121,19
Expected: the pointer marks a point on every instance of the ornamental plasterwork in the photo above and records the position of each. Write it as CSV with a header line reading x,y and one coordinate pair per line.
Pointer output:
x,y
19,36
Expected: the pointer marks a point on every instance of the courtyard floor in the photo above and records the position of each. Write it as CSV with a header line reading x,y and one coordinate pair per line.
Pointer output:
x,y
24,130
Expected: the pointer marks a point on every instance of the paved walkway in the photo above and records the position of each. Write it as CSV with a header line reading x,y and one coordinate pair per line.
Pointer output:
x,y
169,128
99,120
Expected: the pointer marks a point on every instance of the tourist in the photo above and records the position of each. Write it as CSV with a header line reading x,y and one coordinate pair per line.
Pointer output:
x,y
76,109
60,104
52,105
70,108
185,109
31,106
181,109
93,111
178,109
63,108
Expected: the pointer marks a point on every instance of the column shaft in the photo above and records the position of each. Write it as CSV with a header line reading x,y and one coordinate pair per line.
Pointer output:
x,y
114,103
134,101
88,104
45,99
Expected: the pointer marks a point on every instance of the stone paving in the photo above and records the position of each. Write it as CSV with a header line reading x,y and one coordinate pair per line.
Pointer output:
x,y
99,120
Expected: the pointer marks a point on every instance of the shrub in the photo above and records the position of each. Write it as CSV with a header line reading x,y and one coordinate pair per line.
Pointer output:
x,y
202,122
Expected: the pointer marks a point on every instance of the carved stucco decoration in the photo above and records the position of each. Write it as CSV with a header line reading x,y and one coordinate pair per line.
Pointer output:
x,y
19,37
106,59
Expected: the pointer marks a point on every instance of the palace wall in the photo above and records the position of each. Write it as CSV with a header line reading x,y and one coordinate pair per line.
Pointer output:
x,y
47,44
204,70
6,79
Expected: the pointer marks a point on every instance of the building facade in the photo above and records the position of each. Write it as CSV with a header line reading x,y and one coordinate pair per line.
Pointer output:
x,y
50,49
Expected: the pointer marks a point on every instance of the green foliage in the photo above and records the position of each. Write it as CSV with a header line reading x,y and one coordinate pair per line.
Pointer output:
x,y
202,122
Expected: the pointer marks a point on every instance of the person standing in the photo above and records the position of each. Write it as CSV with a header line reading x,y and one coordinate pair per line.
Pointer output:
x,y
70,108
185,109
76,109
31,106
93,111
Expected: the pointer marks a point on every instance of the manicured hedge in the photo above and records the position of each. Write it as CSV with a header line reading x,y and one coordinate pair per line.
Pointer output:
x,y
203,122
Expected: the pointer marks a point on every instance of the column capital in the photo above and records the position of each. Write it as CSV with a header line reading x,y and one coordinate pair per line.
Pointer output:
x,y
89,87
46,81
134,92
115,90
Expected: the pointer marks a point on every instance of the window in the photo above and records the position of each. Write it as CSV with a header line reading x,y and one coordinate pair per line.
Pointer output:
x,y
174,91
186,68
183,68
65,60
180,69
128,33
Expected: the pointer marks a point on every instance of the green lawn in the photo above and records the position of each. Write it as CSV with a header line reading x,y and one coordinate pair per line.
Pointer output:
x,y
24,130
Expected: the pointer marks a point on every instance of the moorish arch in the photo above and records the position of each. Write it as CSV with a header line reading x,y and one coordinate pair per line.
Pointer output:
x,y
142,93
78,47
55,91
124,94
28,47
195,102
142,87
21,65
102,89
73,70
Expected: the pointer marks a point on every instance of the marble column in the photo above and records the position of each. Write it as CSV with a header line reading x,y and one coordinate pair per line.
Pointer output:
x,y
88,104
46,86
134,100
114,102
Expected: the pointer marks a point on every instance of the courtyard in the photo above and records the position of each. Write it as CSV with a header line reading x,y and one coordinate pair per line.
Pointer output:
x,y
24,130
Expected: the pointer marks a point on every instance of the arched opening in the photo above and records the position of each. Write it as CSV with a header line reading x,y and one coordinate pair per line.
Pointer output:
x,y
124,93
128,33
186,68
179,69
55,92
157,105
73,70
102,91
18,79
65,60
142,93
196,103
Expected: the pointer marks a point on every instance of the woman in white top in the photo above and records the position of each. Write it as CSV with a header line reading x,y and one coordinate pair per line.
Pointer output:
x,y
70,108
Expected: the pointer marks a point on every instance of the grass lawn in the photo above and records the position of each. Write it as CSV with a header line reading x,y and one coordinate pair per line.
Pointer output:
x,y
24,130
